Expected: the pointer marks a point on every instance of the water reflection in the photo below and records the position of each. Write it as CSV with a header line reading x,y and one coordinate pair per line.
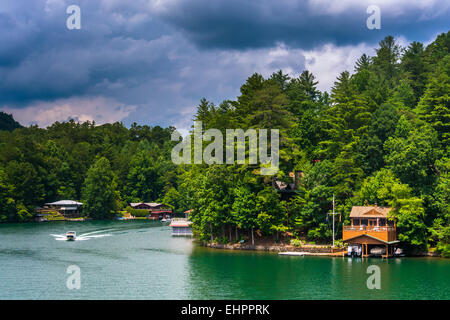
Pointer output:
x,y
219,274
140,260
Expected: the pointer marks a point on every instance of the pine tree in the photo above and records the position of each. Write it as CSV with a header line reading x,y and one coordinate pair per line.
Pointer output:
x,y
308,85
346,119
386,61
434,107
437,50
414,68
363,63
204,111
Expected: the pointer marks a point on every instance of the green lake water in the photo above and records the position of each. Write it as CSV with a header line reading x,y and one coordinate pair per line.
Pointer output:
x,y
140,260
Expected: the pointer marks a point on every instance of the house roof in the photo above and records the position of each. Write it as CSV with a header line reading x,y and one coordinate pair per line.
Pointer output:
x,y
64,203
150,204
368,235
180,224
369,212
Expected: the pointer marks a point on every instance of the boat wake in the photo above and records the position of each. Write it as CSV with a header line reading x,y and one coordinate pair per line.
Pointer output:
x,y
84,236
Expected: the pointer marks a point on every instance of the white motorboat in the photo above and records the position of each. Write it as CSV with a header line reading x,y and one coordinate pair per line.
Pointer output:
x,y
354,250
71,235
378,251
399,252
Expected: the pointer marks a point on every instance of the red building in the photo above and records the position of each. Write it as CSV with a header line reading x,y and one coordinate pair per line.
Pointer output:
x,y
156,210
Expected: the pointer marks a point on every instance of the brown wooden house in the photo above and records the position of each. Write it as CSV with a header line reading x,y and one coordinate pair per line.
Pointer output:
x,y
67,208
156,211
370,228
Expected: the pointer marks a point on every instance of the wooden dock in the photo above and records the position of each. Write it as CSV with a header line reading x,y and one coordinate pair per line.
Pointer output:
x,y
329,254
293,253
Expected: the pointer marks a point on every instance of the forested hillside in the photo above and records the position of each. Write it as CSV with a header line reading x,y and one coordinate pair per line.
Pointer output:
x,y
7,122
106,166
380,136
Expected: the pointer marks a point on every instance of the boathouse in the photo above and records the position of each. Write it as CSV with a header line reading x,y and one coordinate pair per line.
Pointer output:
x,y
155,210
181,227
371,231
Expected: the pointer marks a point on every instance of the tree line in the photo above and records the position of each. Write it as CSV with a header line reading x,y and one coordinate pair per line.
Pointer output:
x,y
381,135
106,167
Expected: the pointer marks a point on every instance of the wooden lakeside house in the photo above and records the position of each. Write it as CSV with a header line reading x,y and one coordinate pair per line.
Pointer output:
x,y
67,208
156,211
371,228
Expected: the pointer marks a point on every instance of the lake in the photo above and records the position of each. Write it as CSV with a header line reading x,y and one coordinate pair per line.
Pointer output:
x,y
141,260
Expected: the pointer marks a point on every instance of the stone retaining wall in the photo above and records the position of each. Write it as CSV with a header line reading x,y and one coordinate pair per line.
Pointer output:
x,y
274,248
313,249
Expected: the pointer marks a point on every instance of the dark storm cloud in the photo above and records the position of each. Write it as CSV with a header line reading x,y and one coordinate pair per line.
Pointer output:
x,y
150,54
301,24
40,59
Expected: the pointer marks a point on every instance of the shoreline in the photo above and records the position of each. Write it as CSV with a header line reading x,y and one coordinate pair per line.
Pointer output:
x,y
310,250
314,250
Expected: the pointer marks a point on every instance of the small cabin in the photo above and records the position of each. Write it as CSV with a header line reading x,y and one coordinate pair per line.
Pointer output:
x,y
370,228
289,186
156,210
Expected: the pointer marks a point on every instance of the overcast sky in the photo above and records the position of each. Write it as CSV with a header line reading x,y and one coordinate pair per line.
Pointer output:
x,y
151,61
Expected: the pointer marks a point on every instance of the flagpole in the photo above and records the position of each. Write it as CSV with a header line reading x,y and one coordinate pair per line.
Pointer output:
x,y
333,220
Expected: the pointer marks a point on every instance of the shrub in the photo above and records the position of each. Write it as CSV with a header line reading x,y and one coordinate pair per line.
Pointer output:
x,y
296,242
443,249
339,243
137,212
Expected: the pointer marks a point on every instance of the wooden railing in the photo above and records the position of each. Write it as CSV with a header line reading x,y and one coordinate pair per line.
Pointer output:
x,y
385,233
369,228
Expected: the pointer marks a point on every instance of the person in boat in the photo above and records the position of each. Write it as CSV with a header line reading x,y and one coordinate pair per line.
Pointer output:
x,y
71,235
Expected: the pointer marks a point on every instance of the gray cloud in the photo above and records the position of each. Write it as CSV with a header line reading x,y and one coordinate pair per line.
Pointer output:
x,y
157,59
300,24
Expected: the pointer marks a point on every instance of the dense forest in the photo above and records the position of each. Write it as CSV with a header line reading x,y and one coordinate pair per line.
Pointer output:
x,y
380,136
